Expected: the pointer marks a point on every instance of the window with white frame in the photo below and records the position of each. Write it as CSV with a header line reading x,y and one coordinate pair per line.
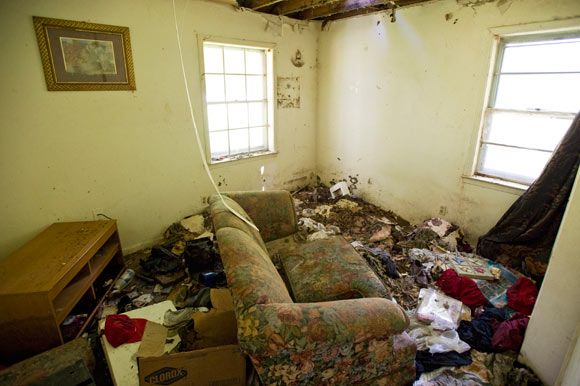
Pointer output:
x,y
535,94
239,99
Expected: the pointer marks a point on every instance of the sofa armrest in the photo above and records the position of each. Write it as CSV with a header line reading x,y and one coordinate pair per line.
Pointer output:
x,y
268,329
271,211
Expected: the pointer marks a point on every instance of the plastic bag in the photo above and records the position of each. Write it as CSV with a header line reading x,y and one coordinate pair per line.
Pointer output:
x,y
441,311
436,341
445,342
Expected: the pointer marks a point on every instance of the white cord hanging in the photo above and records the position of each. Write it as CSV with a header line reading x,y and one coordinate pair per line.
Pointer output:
x,y
201,151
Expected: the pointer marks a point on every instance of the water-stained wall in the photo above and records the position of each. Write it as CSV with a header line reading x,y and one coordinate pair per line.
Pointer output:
x,y
132,154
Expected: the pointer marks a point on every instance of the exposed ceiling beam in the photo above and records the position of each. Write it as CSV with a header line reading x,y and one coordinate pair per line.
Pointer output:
x,y
291,6
341,6
356,12
333,11
257,4
378,8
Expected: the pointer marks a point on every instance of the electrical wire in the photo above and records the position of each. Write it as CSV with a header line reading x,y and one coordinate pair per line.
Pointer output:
x,y
201,151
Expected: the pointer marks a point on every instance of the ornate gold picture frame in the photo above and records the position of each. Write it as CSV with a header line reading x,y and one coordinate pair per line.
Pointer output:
x,y
79,56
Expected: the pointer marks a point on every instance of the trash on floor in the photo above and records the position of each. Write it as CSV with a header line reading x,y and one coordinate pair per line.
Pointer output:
x,y
418,263
443,312
213,357
341,188
194,224
122,360
121,329
123,281
436,340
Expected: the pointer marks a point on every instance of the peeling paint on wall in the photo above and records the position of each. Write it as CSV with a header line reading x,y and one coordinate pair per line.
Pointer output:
x,y
288,93
275,23
504,5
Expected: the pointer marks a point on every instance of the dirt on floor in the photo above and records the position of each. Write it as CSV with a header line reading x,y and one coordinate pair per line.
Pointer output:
x,y
379,230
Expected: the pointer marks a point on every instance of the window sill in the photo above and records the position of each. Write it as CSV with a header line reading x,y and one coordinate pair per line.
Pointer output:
x,y
241,158
496,184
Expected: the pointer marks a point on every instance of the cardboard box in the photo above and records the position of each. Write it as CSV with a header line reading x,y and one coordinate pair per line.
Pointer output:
x,y
217,359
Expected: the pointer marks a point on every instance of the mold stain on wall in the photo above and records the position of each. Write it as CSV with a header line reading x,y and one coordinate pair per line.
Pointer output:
x,y
288,92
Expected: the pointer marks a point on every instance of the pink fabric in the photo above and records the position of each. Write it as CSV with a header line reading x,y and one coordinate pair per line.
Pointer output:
x,y
522,295
462,288
510,333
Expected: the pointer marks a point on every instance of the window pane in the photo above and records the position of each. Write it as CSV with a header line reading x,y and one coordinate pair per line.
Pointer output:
x,y
256,87
217,117
255,62
213,58
555,92
214,88
239,141
257,113
234,58
536,131
235,88
258,138
218,143
513,164
555,57
238,115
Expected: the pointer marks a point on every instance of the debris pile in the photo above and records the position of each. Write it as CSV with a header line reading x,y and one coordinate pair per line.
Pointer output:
x,y
466,311
458,302
382,237
182,268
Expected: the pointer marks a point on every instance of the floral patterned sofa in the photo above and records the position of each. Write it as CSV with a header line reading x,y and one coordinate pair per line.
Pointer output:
x,y
338,326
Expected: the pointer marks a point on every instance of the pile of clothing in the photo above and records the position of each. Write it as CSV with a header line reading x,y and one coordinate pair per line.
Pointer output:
x,y
492,330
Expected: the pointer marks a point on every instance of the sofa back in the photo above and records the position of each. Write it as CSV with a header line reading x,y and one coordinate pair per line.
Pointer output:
x,y
222,218
250,272
272,211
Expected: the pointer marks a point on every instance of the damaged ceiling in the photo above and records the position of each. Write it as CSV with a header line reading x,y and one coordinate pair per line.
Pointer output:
x,y
325,9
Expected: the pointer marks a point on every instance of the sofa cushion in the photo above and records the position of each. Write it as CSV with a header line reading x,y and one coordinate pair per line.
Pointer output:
x,y
329,269
249,270
222,217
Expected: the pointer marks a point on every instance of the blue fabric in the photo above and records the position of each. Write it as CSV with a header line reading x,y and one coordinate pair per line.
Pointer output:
x,y
426,362
479,332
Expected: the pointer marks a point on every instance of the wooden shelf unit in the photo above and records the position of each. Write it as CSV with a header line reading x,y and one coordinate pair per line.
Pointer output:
x,y
42,282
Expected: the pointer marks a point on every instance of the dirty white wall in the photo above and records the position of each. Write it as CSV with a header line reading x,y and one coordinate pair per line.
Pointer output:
x,y
131,154
400,106
557,311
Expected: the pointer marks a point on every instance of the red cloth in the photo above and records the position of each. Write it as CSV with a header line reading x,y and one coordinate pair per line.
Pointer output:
x,y
462,288
121,329
522,295
510,333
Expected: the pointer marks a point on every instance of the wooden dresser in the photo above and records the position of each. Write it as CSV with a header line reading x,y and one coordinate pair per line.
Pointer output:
x,y
67,269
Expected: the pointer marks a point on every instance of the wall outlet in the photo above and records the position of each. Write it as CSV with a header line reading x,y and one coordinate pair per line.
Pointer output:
x,y
96,213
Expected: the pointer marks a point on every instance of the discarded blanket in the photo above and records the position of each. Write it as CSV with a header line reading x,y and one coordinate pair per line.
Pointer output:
x,y
522,295
526,232
510,333
479,332
462,288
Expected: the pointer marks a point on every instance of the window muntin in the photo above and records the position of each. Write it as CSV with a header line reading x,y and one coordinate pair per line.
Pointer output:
x,y
238,99
534,96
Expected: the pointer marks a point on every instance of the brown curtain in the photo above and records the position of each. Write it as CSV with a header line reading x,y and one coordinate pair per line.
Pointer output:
x,y
524,236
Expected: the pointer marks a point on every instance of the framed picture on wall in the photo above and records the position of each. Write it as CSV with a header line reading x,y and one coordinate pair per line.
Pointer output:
x,y
79,56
